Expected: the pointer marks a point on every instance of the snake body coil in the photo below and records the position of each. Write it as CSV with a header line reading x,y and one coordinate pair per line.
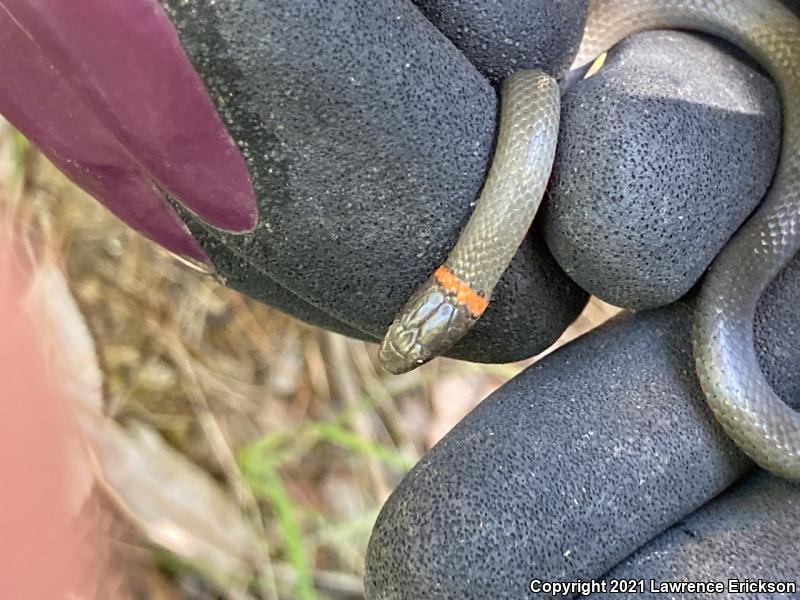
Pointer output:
x,y
449,303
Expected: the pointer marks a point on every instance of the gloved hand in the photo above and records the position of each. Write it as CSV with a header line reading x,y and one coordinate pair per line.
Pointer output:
x,y
573,466
367,133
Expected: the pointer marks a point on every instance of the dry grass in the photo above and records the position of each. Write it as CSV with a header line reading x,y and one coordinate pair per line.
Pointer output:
x,y
300,425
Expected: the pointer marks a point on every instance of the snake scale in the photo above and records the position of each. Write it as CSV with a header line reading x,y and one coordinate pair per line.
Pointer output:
x,y
448,304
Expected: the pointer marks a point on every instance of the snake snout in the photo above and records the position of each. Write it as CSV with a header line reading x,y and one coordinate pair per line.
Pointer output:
x,y
429,324
395,361
402,349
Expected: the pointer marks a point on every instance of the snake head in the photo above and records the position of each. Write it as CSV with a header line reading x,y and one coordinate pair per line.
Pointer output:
x,y
430,323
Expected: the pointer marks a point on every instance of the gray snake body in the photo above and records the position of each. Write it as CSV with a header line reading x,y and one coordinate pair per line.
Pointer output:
x,y
449,303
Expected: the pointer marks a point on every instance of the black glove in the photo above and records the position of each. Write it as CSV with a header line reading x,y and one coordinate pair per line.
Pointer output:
x,y
369,135
585,456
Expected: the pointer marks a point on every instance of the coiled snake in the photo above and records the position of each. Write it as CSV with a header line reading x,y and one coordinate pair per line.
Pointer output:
x,y
446,306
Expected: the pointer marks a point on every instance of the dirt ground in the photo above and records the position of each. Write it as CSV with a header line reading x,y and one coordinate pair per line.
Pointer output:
x,y
237,452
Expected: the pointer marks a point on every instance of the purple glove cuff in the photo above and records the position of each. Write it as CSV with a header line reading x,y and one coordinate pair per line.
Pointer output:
x,y
107,93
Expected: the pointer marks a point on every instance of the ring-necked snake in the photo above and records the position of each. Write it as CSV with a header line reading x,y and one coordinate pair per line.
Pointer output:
x,y
446,306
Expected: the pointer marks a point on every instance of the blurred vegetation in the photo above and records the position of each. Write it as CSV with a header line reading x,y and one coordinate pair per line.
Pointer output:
x,y
298,425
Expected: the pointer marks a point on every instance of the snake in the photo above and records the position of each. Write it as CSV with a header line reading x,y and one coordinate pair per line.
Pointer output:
x,y
448,304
